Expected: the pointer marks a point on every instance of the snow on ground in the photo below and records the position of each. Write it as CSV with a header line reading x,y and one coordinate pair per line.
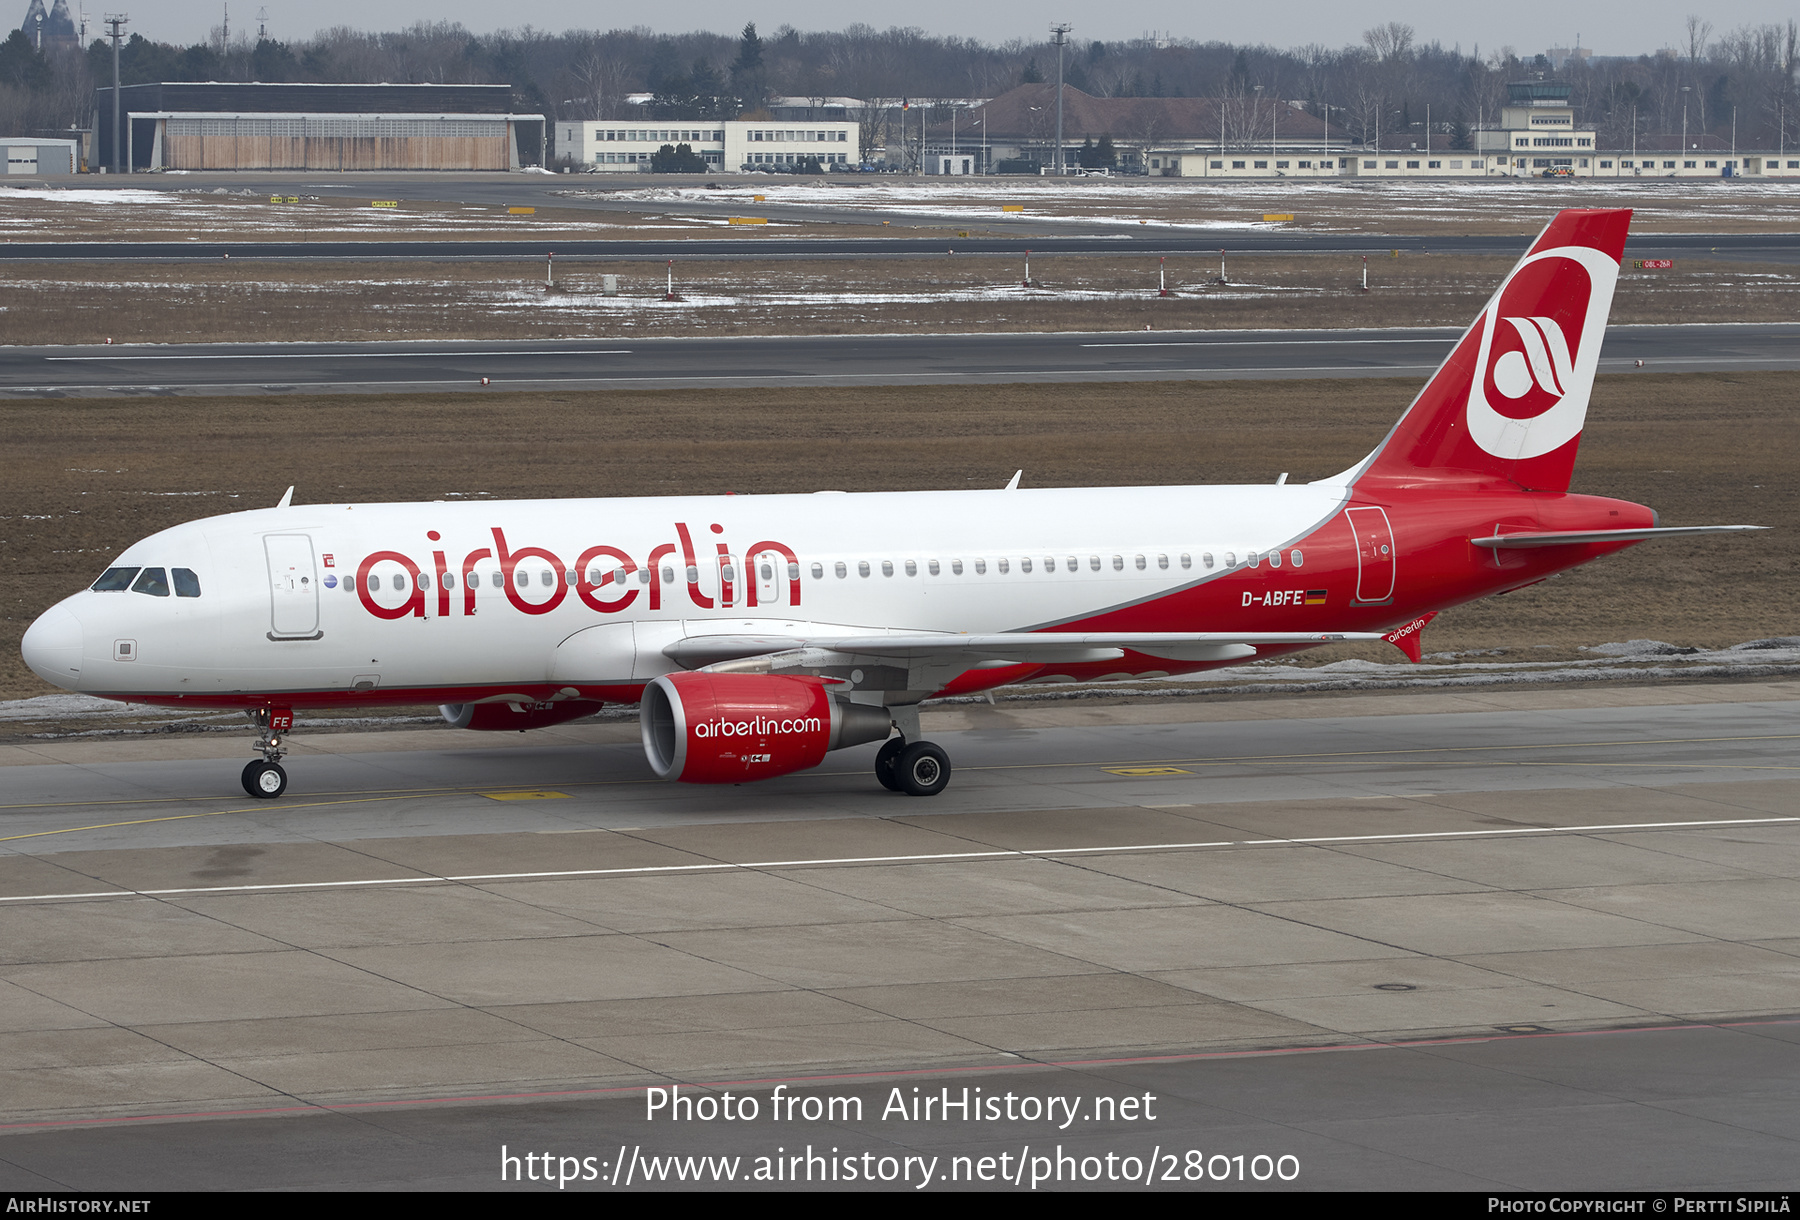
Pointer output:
x,y
1091,200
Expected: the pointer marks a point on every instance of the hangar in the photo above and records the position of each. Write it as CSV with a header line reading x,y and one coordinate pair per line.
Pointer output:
x,y
30,155
215,126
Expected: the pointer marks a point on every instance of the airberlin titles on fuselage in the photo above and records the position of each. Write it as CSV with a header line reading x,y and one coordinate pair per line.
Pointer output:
x,y
602,576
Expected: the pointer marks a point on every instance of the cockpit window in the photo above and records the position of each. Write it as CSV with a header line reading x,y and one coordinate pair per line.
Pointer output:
x,y
114,580
186,583
153,581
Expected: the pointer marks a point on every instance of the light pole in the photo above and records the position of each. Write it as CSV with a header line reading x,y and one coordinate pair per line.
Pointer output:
x,y
117,21
1685,89
1256,117
1062,34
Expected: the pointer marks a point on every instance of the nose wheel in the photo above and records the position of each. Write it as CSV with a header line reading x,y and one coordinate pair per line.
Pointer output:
x,y
917,768
265,780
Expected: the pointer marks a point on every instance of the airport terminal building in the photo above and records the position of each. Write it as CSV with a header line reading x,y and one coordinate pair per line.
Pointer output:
x,y
727,146
1535,134
223,126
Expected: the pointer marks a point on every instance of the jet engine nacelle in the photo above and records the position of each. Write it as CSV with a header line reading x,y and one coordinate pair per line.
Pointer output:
x,y
516,717
729,728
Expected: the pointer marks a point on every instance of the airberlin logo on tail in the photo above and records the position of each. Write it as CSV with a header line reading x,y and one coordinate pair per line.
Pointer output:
x,y
1544,363
1540,343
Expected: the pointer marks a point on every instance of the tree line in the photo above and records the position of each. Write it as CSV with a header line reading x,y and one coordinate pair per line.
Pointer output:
x,y
1385,83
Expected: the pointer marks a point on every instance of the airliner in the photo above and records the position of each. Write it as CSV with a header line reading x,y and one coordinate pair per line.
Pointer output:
x,y
758,633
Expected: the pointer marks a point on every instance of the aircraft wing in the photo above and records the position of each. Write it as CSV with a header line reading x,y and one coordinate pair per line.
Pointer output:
x,y
1041,646
1511,542
966,651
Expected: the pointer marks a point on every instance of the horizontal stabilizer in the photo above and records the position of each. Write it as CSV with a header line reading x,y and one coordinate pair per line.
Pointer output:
x,y
1513,542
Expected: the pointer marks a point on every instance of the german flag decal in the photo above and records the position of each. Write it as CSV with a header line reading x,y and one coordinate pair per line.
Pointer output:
x,y
1315,597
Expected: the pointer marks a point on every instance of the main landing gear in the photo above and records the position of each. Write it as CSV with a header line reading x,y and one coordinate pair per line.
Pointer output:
x,y
917,768
263,777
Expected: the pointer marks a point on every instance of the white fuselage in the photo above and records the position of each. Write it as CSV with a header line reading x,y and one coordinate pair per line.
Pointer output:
x,y
472,600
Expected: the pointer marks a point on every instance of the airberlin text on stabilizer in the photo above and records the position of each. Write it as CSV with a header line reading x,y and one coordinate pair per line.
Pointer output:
x,y
921,1105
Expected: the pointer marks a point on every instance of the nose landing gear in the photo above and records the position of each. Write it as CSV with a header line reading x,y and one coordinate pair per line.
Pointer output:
x,y
263,778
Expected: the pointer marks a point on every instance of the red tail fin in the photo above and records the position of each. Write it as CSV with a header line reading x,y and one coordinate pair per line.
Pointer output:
x,y
1511,399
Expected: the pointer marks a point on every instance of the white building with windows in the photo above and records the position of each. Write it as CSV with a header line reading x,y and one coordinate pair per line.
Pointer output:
x,y
727,146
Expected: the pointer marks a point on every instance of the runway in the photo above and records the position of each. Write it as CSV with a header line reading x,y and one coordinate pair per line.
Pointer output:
x,y
439,943
1781,248
833,360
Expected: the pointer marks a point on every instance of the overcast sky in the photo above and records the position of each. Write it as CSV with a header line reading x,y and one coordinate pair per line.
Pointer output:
x,y
1610,27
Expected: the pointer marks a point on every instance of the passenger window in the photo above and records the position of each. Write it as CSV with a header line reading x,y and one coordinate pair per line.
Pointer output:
x,y
571,577
1074,564
546,578
767,571
1162,561
1295,557
956,567
1230,559
1025,564
1274,559
1140,563
1206,558
424,581
1254,558
449,580
114,580
912,569
887,567
932,566
693,575
400,581
153,581
841,568
862,567
668,574
981,567
818,572
1187,561
793,571
1094,562
374,583
187,584
1118,563
521,577
1000,566
349,584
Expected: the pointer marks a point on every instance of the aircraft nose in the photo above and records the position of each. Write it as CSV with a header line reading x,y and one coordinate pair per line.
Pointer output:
x,y
52,647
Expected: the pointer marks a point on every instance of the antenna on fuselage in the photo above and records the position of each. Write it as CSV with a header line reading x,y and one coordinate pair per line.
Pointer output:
x,y
1014,485
287,498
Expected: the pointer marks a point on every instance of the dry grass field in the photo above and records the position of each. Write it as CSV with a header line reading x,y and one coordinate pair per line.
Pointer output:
x,y
278,302
86,477
225,207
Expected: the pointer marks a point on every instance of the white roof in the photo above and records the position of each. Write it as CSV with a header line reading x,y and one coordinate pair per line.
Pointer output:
x,y
289,114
